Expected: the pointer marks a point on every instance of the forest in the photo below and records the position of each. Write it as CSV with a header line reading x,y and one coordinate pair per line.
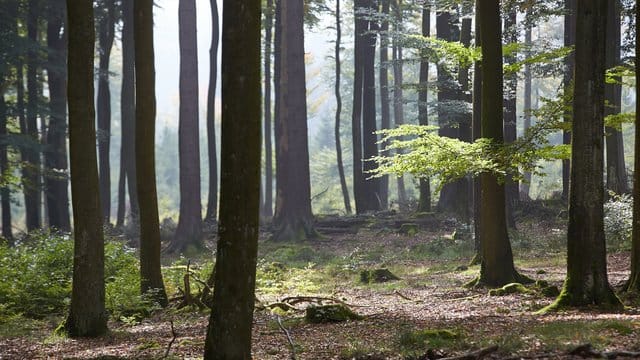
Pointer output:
x,y
324,179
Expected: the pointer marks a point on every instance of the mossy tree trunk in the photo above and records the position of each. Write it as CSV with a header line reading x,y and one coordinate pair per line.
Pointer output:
x,y
587,283
293,219
229,331
87,315
497,267
150,273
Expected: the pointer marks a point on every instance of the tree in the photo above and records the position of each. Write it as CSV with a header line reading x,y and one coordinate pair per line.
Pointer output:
x,y
616,171
497,267
293,219
189,230
343,181
5,192
55,156
383,79
267,208
586,283
510,116
570,7
150,274
633,284
106,15
363,119
526,181
212,203
476,133
229,331
424,204
128,120
87,315
398,108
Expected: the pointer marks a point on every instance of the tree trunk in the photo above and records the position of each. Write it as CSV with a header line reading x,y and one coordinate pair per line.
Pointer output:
x,y
383,78
526,182
229,331
189,230
293,219
343,181
424,204
128,118
212,202
32,196
587,283
398,108
5,192
106,10
476,133
267,208
150,274
87,314
510,132
570,7
497,267
616,171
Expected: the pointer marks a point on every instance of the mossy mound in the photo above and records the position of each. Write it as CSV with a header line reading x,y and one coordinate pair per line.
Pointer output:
x,y
408,229
377,276
512,288
330,314
547,290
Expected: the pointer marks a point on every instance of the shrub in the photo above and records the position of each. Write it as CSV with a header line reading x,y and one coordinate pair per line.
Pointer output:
x,y
618,217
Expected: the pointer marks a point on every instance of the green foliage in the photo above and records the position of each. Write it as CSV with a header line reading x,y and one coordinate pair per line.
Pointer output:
x,y
417,341
618,221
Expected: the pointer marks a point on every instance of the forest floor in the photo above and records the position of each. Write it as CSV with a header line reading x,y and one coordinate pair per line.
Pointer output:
x,y
426,314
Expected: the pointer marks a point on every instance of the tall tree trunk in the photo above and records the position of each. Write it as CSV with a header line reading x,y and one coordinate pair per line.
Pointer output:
x,y
424,204
106,24
497,267
189,230
293,219
616,170
383,78
32,196
56,179
587,283
526,181
398,108
633,284
510,132
212,202
128,118
229,331
570,7
87,315
476,133
343,181
5,192
267,208
150,273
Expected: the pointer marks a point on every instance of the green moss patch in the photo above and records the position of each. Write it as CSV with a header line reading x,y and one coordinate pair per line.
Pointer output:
x,y
330,314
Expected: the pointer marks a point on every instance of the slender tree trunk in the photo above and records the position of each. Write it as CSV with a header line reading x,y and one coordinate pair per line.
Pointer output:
x,y
293,219
510,116
424,204
616,170
476,133
229,331
267,208
587,282
497,267
189,230
56,179
525,184
398,108
150,273
343,181
570,7
359,191
5,192
212,203
32,195
383,78
87,314
105,42
128,118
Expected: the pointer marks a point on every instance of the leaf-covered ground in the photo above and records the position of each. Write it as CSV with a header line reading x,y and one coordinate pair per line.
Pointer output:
x,y
426,314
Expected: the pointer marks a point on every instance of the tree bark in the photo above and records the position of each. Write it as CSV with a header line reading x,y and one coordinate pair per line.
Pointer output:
x,y
150,273
476,133
525,184
189,230
587,283
5,192
424,203
229,331
510,116
398,108
616,170
570,7
87,315
212,202
343,181
383,78
267,208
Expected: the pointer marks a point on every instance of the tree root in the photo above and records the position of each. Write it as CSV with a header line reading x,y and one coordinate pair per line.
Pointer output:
x,y
292,345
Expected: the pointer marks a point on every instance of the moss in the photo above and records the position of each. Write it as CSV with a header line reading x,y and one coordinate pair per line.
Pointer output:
x,y
377,276
418,340
512,288
605,300
550,291
408,229
330,314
